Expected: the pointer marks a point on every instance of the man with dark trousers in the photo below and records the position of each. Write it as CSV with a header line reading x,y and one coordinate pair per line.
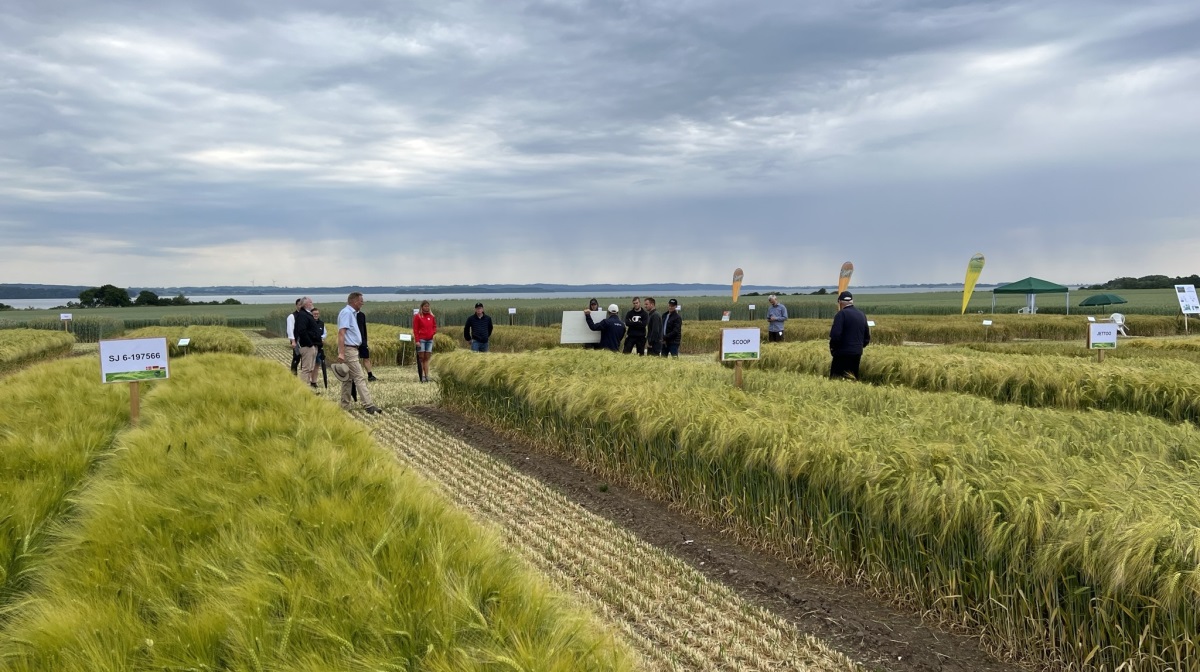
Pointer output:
x,y
653,328
478,330
291,334
847,338
672,330
611,328
635,322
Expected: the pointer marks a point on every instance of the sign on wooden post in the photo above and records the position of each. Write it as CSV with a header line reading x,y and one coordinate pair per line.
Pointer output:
x,y
739,345
132,361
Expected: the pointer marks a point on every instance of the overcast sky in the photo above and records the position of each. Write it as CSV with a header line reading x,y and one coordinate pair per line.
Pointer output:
x,y
370,142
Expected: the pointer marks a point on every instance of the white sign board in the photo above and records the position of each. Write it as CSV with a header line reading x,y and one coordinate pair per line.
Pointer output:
x,y
1102,335
575,328
725,316
987,323
1188,302
1091,319
740,344
406,337
134,359
752,306
184,342
870,323
64,316
512,311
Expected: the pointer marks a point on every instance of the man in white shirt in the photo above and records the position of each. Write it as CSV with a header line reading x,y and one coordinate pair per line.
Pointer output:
x,y
349,338
291,334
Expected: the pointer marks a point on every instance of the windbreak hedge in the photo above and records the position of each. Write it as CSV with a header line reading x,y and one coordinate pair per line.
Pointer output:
x,y
247,525
1019,521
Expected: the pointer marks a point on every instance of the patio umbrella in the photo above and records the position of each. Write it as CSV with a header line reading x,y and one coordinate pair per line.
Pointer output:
x,y
1102,300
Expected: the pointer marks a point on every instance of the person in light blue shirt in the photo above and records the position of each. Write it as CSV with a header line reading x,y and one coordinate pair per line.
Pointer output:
x,y
776,316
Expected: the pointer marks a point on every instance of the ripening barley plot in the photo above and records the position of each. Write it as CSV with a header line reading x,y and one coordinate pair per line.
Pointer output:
x,y
19,347
1167,390
202,339
252,525
58,422
1019,521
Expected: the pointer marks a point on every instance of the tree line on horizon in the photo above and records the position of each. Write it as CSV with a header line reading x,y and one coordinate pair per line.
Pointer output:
x,y
1147,282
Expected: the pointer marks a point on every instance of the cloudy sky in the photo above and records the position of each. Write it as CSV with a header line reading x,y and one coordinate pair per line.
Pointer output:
x,y
382,142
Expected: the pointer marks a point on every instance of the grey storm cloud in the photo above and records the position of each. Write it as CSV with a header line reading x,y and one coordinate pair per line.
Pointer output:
x,y
196,143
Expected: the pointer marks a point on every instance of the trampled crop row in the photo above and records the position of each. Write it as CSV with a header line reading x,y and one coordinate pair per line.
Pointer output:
x,y
1170,392
1019,521
247,524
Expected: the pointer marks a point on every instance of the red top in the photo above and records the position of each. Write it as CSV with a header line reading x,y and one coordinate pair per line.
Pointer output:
x,y
424,326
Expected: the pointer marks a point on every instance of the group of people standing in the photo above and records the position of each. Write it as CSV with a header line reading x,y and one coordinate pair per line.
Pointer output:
x,y
306,334
643,328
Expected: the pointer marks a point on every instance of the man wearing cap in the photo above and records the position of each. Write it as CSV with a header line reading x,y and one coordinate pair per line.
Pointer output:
x,y
291,334
847,338
776,316
611,328
478,329
672,330
349,338
308,337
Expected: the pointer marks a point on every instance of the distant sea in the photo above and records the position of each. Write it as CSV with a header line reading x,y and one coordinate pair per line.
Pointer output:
x,y
286,299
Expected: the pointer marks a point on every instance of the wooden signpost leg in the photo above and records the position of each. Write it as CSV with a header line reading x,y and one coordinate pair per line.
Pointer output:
x,y
737,375
133,402
1099,355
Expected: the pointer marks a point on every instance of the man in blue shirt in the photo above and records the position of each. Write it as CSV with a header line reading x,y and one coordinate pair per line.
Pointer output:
x,y
776,316
349,338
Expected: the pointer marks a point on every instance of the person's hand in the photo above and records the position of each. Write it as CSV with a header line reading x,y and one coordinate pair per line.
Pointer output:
x,y
342,357
587,311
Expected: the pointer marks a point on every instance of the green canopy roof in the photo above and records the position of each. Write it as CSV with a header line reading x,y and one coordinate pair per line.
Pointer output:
x,y
1030,286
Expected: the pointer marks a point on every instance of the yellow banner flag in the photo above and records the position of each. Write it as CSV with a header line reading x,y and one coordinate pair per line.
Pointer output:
x,y
844,277
974,268
737,283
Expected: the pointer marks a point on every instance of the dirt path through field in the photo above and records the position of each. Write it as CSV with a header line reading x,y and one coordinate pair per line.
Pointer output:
x,y
684,597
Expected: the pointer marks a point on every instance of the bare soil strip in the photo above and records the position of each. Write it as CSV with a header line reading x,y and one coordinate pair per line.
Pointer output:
x,y
684,596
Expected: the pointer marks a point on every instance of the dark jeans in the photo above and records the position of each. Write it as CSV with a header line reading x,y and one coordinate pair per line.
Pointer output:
x,y
632,341
845,366
670,350
479,346
653,348
774,336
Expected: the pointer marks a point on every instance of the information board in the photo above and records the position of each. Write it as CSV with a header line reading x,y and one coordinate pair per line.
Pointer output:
x,y
133,359
1102,335
1188,302
740,344
575,328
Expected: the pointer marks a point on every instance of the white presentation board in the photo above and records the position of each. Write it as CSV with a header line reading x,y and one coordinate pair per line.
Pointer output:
x,y
1188,302
575,328
64,316
512,311
133,359
740,344
1102,335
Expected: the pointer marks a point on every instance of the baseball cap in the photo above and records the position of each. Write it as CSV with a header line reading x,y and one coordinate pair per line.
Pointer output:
x,y
672,302
846,296
479,305
613,308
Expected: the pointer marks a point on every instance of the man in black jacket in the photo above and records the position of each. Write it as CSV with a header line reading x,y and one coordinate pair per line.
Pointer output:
x,y
635,322
478,329
308,337
847,338
653,328
672,330
611,328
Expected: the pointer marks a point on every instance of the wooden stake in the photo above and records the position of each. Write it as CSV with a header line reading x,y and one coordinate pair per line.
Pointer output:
x,y
1100,355
133,402
737,375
